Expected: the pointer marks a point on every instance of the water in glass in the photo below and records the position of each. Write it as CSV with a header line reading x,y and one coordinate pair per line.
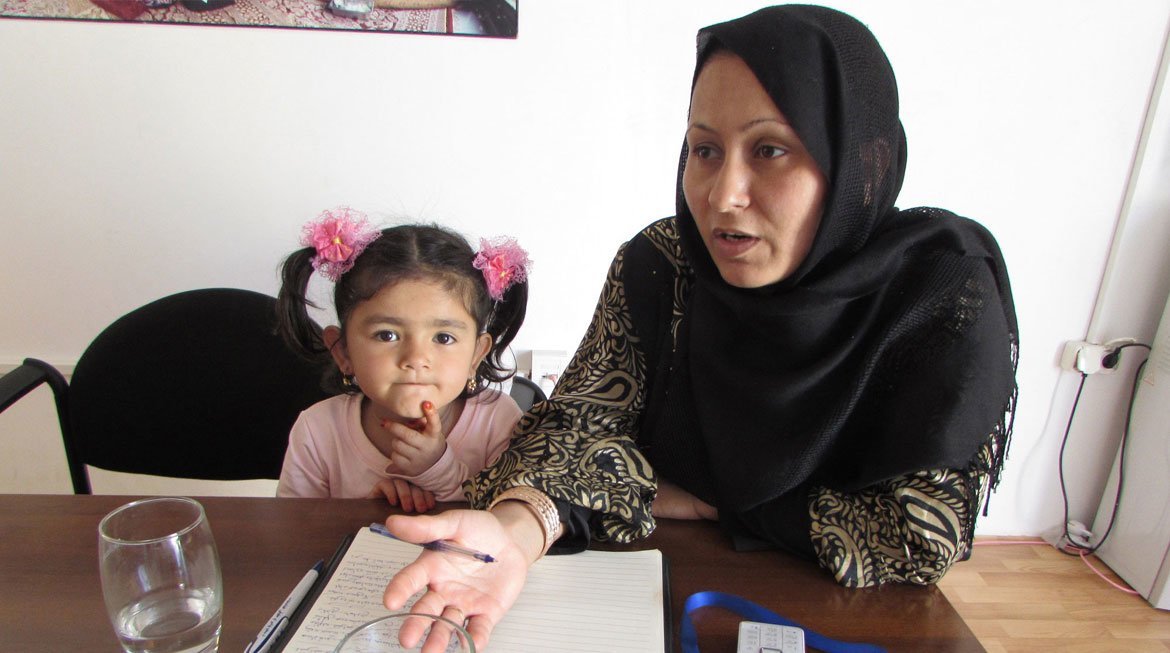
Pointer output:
x,y
170,621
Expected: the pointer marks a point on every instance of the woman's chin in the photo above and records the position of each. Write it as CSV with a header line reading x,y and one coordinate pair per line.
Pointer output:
x,y
745,276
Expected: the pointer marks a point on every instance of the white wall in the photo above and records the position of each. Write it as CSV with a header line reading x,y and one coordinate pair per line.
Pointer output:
x,y
140,160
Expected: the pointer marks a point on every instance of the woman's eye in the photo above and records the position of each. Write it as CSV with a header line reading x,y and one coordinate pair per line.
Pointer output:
x,y
771,151
385,336
703,151
445,339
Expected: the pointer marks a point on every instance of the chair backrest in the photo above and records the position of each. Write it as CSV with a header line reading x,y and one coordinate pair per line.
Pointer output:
x,y
193,385
27,377
526,392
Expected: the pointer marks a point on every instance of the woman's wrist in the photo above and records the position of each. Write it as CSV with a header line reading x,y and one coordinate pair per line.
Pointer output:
x,y
531,519
522,527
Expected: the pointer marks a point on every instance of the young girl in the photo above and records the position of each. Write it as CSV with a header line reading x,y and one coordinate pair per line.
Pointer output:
x,y
423,322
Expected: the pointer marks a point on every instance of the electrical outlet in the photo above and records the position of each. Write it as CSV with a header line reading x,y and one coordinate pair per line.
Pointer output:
x,y
1113,357
1089,357
1081,356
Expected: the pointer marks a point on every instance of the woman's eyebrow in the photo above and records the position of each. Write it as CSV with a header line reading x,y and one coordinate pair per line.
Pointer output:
x,y
766,120
745,127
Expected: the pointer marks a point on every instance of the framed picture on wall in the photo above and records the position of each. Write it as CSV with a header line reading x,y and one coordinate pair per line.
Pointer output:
x,y
491,18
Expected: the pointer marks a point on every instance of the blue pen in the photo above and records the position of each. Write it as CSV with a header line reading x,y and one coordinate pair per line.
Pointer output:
x,y
279,621
438,545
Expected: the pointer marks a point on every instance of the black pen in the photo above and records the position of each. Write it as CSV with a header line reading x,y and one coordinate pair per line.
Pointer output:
x,y
438,545
279,621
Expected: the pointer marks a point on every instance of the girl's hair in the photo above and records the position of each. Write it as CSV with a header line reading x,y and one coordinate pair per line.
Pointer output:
x,y
407,252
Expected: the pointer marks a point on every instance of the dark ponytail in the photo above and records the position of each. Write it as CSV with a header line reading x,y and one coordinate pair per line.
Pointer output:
x,y
504,322
293,323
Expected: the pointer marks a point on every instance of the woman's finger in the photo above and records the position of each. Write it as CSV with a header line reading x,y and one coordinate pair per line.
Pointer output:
x,y
412,630
441,632
409,580
480,628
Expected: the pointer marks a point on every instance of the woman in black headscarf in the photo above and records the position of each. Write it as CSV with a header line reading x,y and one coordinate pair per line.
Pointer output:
x,y
790,354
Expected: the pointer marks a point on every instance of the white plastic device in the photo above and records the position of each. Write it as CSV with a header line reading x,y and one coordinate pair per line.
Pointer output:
x,y
756,637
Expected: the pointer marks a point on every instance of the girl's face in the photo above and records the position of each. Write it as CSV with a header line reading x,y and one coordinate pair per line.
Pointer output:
x,y
755,191
414,341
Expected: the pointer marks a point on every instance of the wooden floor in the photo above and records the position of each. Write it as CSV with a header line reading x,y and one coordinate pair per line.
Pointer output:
x,y
1031,597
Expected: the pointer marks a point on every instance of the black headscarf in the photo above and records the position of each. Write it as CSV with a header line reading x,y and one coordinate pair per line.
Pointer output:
x,y
892,348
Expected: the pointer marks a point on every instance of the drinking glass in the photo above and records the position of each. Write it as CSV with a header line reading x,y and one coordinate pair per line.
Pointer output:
x,y
381,635
161,577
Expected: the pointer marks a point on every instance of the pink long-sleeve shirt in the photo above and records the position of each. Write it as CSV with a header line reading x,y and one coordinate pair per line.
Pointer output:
x,y
329,454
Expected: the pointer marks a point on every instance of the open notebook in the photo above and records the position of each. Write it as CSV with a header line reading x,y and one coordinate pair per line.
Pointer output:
x,y
604,601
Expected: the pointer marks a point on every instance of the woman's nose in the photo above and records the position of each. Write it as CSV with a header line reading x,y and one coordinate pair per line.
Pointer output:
x,y
730,190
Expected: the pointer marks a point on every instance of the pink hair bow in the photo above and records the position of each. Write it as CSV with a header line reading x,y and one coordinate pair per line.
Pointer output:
x,y
339,236
503,263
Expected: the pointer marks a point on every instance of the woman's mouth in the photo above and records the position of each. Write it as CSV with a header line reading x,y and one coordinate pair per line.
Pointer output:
x,y
732,243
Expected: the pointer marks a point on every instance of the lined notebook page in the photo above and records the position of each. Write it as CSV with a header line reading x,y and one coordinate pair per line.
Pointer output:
x,y
595,601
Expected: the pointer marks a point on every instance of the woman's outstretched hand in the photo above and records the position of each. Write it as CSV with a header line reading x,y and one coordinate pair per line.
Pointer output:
x,y
457,587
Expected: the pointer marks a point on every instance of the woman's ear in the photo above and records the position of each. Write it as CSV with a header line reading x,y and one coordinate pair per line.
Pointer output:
x,y
336,345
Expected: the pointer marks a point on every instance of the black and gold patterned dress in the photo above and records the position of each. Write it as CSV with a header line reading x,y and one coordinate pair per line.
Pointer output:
x,y
581,447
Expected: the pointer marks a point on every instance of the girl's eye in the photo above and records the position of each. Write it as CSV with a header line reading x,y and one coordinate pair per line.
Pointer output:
x,y
445,339
385,336
771,151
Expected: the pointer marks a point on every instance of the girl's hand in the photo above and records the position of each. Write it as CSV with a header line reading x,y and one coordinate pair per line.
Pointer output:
x,y
455,586
419,445
673,502
400,492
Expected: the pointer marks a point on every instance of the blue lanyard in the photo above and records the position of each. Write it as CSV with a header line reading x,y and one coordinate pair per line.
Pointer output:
x,y
754,612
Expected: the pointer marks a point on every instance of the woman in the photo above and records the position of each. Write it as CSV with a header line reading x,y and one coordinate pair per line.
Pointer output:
x,y
790,354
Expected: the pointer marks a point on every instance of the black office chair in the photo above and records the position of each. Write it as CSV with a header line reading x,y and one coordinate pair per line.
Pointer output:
x,y
193,385
27,377
526,392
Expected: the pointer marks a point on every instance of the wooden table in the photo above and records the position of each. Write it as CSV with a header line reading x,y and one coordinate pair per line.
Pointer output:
x,y
51,599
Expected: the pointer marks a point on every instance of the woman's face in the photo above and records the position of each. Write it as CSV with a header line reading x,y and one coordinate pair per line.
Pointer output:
x,y
755,191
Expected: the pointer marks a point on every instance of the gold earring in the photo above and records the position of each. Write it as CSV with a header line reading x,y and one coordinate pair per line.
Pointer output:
x,y
348,380
471,384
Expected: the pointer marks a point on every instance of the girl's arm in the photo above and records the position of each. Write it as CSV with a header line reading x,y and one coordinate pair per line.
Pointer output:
x,y
444,479
303,473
